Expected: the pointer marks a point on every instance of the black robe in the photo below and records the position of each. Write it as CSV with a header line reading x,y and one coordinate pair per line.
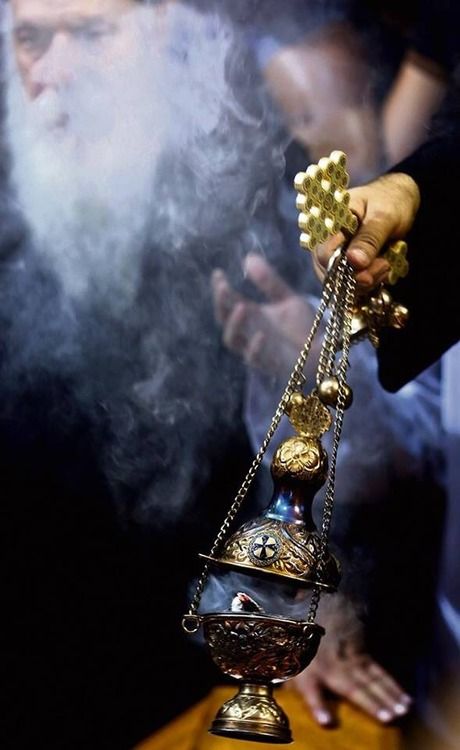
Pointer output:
x,y
93,583
431,290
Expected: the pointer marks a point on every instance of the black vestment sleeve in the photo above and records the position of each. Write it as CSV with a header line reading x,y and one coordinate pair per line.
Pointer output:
x,y
431,290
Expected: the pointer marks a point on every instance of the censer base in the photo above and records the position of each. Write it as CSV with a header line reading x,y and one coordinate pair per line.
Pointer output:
x,y
253,715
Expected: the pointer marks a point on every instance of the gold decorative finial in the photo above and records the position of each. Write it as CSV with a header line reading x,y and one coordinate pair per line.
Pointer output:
x,y
302,456
375,312
323,200
396,255
308,416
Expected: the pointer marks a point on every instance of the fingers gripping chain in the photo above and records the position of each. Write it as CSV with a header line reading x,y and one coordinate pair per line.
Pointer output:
x,y
323,200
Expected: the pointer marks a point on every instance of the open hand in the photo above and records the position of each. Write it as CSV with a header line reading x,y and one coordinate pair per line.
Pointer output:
x,y
270,335
343,667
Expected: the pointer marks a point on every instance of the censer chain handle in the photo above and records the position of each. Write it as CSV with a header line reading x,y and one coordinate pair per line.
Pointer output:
x,y
296,378
345,278
332,340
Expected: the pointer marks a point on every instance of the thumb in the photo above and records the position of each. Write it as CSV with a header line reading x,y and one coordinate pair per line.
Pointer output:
x,y
386,209
368,242
265,278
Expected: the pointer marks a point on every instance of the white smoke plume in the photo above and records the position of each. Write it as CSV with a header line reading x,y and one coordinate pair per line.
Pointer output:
x,y
88,158
337,613
130,183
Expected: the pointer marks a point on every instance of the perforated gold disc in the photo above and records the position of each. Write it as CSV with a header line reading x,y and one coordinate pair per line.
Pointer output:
x,y
323,200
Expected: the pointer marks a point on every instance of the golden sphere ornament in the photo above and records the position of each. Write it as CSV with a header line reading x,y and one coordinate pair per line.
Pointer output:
x,y
328,392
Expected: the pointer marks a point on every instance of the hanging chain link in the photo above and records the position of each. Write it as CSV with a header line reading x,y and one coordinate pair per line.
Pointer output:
x,y
295,381
332,334
345,295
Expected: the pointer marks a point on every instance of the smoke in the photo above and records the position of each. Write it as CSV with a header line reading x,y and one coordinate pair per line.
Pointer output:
x,y
337,613
274,598
151,144
132,178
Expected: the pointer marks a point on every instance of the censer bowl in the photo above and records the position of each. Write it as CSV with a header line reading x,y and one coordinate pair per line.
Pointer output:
x,y
261,651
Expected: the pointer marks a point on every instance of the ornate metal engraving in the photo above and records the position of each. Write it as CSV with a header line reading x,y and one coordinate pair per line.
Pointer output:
x,y
257,647
296,558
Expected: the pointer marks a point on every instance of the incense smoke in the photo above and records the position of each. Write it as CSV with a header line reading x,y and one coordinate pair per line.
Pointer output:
x,y
338,613
129,184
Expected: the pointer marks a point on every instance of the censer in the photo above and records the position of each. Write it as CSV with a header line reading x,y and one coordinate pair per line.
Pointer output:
x,y
282,544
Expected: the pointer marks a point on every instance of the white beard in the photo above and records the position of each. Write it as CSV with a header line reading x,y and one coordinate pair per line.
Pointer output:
x,y
86,158
86,188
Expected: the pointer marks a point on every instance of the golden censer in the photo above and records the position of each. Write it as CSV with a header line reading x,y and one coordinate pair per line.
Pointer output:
x,y
257,648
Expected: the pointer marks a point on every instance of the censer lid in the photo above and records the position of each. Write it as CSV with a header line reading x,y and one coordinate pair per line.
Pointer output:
x,y
269,547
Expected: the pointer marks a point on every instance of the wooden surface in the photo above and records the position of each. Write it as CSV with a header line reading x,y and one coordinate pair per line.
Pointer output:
x,y
355,731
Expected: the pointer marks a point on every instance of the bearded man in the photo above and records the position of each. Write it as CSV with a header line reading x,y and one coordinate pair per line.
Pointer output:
x,y
124,187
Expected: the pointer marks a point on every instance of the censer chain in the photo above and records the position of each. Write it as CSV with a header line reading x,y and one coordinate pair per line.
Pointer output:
x,y
341,316
333,332
296,379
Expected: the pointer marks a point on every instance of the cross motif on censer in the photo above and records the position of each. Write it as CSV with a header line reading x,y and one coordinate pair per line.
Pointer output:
x,y
264,547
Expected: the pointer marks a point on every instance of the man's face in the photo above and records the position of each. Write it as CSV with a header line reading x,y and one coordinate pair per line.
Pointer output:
x,y
101,101
53,39
85,125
